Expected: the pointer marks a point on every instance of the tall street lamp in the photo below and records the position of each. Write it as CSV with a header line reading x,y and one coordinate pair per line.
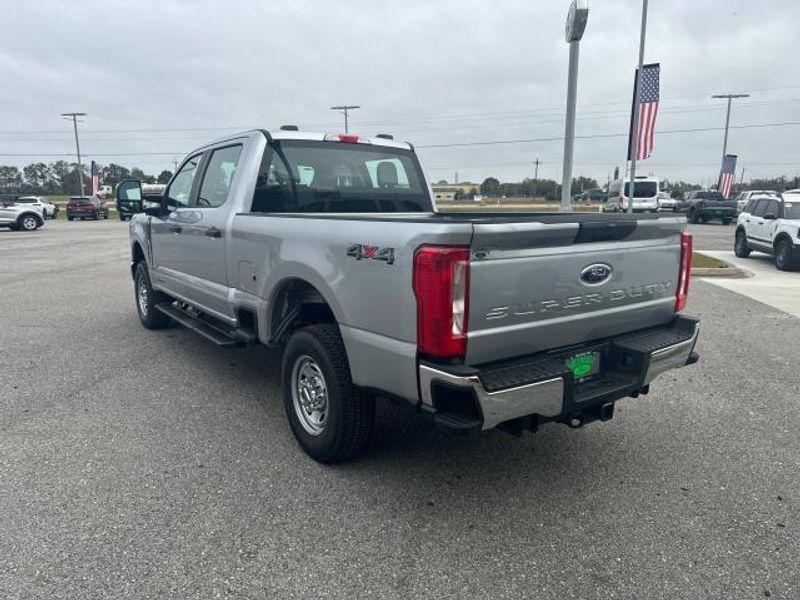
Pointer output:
x,y
576,24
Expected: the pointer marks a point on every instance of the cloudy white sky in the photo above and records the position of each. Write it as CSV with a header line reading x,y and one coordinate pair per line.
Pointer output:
x,y
160,77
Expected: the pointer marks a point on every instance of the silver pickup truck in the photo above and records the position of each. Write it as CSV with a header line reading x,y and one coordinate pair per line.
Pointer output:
x,y
330,246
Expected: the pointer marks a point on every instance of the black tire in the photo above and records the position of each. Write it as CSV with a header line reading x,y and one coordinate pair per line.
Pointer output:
x,y
726,221
740,247
349,412
693,217
96,216
122,217
70,218
29,223
146,308
704,220
784,260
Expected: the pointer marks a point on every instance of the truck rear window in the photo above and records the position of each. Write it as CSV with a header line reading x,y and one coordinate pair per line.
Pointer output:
x,y
308,176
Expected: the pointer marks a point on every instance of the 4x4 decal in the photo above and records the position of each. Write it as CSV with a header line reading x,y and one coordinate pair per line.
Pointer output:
x,y
365,251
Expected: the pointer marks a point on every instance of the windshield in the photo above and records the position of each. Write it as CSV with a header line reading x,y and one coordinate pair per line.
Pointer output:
x,y
791,209
642,189
306,176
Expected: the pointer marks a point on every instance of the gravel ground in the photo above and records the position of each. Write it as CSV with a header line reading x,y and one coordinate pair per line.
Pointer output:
x,y
139,464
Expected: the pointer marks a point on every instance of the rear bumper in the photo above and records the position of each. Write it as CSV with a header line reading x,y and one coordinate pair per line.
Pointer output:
x,y
723,212
542,388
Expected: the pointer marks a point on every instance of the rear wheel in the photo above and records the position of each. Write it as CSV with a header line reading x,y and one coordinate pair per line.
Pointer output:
x,y
147,298
783,255
29,223
69,218
726,221
330,417
740,247
96,215
693,217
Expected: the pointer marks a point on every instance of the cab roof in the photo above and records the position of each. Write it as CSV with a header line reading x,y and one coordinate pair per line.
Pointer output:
x,y
312,136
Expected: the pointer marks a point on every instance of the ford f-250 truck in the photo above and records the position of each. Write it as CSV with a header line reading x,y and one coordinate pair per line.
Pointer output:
x,y
330,246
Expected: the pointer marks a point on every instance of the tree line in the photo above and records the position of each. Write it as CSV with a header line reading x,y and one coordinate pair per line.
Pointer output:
x,y
62,177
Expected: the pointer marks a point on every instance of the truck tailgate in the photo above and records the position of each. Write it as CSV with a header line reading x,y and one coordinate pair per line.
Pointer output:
x,y
540,285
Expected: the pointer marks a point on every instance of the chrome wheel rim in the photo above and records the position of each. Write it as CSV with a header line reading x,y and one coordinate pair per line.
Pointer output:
x,y
29,223
309,395
142,297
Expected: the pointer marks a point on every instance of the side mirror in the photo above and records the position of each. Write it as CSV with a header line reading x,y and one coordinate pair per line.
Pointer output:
x,y
129,190
770,216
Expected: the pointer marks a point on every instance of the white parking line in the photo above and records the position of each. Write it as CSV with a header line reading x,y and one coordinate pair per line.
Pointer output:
x,y
779,289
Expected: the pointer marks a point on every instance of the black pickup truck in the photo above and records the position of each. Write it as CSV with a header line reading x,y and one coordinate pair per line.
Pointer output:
x,y
702,206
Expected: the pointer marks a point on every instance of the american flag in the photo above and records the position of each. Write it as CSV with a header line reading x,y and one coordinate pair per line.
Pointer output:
x,y
728,175
95,178
648,109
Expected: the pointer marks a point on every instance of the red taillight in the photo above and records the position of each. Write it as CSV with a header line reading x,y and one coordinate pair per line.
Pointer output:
x,y
8,204
685,273
348,138
441,285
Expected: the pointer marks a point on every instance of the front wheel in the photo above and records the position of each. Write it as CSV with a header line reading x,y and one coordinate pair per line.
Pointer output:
x,y
783,255
726,221
330,417
740,247
147,298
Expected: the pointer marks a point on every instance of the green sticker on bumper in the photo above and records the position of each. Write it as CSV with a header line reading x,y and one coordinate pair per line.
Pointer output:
x,y
583,365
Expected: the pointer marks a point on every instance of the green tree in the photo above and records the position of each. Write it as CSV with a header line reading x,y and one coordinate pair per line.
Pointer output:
x,y
10,178
37,175
164,176
490,186
114,173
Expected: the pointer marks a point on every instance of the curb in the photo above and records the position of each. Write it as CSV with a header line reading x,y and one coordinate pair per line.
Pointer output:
x,y
730,272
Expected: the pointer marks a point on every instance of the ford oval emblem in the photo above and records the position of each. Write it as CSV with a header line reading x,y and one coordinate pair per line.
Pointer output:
x,y
596,274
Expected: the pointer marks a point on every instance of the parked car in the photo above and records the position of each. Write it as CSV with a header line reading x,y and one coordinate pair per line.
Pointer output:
x,y
744,197
702,206
20,216
666,203
645,192
771,224
48,209
86,207
328,245
594,195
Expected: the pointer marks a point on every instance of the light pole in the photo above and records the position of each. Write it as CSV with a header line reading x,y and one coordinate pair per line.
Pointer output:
x,y
344,109
728,118
636,101
74,117
576,24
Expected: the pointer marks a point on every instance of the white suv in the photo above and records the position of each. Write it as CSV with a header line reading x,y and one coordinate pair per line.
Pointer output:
x,y
48,209
744,197
772,225
22,216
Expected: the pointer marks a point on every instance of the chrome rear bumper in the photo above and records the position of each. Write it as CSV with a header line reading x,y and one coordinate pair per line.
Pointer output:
x,y
543,386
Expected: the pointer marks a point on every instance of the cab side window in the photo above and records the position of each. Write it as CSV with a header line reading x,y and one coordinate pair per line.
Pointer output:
x,y
218,177
180,189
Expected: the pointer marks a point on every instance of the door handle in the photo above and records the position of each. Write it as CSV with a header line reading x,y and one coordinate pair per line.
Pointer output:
x,y
175,228
213,232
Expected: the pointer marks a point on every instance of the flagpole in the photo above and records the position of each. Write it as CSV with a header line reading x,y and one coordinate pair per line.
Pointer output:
x,y
636,110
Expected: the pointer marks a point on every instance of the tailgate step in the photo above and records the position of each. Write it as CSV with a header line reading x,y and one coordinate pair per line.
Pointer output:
x,y
204,328
522,371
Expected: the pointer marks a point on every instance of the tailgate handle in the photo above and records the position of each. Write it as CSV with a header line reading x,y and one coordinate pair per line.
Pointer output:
x,y
175,228
213,232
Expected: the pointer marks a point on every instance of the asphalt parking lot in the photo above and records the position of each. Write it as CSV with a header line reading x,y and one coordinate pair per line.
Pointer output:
x,y
140,464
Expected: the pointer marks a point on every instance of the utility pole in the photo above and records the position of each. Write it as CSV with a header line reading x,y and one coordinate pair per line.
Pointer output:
x,y
729,97
345,109
636,100
576,24
74,117
535,177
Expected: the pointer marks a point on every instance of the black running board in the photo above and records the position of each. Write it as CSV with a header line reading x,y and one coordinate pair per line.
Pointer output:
x,y
204,328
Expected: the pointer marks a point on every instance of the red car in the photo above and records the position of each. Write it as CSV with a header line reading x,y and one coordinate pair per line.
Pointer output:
x,y
85,207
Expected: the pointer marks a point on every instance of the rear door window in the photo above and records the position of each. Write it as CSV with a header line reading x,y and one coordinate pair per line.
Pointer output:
x,y
758,207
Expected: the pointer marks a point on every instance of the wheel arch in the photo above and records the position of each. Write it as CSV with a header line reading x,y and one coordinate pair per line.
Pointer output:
x,y
294,303
137,256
